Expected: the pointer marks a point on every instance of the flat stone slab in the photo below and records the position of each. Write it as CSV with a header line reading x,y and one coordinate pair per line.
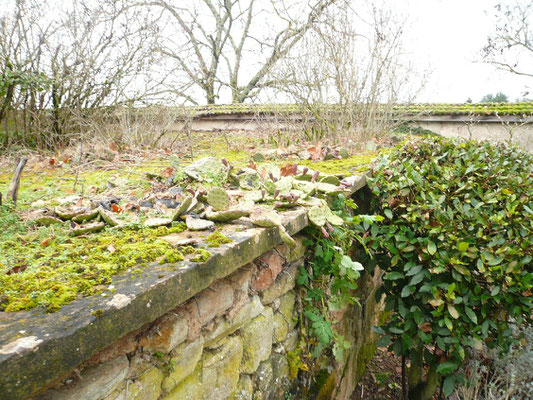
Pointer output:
x,y
37,349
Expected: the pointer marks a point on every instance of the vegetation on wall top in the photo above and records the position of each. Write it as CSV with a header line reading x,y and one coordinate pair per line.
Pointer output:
x,y
486,108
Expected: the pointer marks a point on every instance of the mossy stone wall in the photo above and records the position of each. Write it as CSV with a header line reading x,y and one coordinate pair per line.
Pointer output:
x,y
230,341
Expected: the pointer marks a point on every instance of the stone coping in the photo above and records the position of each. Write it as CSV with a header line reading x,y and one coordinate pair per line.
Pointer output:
x,y
296,117
37,349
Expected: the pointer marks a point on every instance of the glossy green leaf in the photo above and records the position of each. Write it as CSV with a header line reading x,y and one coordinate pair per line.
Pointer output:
x,y
432,247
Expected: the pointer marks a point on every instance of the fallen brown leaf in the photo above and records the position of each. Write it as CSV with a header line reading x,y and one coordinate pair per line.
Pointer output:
x,y
46,241
117,209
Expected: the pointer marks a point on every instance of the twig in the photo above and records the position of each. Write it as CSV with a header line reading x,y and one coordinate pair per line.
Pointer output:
x,y
15,183
189,136
404,386
78,169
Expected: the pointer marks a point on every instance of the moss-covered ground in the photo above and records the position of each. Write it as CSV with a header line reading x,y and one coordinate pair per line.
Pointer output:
x,y
45,266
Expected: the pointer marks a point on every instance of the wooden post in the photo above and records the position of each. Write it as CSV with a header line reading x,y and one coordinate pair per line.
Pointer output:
x,y
15,182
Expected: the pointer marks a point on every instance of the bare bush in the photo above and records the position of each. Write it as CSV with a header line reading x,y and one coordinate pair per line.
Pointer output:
x,y
93,55
492,377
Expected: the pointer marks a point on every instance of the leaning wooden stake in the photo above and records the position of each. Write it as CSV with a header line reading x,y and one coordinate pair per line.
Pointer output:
x,y
15,183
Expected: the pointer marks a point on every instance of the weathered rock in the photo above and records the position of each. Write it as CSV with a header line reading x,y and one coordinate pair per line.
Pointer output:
x,y
190,388
187,357
281,328
223,364
245,388
198,224
284,282
291,341
286,308
257,340
85,216
185,238
292,254
147,387
87,228
240,279
207,304
263,279
264,376
208,169
226,327
97,382
156,222
280,382
166,335
272,260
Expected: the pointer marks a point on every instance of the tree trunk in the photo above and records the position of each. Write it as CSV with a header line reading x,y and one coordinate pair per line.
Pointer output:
x,y
419,389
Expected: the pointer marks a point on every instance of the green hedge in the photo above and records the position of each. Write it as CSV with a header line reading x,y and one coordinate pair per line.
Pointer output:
x,y
456,247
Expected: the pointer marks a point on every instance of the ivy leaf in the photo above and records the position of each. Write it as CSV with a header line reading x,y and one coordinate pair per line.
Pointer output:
x,y
448,386
388,213
495,291
348,263
432,248
322,331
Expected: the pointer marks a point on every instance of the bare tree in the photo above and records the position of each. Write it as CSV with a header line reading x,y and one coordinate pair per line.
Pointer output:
x,y
93,55
510,47
349,71
216,37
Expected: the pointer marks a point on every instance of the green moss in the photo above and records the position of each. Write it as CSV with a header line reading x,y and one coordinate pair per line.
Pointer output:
x,y
216,239
366,352
52,275
98,313
344,166
202,255
172,257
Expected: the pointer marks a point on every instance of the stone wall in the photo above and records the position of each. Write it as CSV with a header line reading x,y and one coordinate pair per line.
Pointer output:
x,y
230,341
494,131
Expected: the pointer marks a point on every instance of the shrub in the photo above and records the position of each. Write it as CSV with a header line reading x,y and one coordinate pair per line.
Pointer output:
x,y
495,377
456,247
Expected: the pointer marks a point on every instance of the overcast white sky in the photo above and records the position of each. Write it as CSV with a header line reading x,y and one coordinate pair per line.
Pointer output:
x,y
447,36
